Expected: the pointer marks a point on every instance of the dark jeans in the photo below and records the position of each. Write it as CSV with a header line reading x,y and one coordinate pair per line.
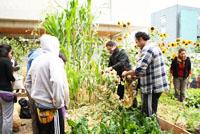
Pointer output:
x,y
33,115
150,103
120,91
49,128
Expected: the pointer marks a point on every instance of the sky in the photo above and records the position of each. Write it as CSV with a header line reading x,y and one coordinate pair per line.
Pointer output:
x,y
138,12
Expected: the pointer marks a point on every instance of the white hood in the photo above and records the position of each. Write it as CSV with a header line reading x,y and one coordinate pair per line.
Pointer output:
x,y
50,43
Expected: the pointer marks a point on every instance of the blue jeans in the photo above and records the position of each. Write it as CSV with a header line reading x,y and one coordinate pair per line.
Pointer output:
x,y
6,117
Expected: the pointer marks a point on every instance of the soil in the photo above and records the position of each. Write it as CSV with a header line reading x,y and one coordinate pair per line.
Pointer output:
x,y
25,127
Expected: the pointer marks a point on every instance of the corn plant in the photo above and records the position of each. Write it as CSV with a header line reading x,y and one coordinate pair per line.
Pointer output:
x,y
78,37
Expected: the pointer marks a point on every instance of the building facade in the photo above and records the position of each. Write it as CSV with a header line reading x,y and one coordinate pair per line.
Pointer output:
x,y
178,21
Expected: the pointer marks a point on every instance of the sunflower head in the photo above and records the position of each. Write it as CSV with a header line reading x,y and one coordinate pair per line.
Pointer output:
x,y
124,25
174,44
189,42
119,39
152,29
173,55
178,40
128,23
164,51
178,44
165,35
198,44
161,35
169,45
119,23
184,42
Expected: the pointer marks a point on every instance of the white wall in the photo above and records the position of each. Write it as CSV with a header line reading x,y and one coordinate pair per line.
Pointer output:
x,y
138,12
24,9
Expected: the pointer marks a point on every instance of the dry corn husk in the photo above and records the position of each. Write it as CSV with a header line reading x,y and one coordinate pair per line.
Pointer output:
x,y
130,93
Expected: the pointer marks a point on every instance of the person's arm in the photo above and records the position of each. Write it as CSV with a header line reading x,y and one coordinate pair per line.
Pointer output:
x,y
58,83
143,63
66,90
16,66
123,57
189,68
9,71
28,82
172,67
110,62
130,72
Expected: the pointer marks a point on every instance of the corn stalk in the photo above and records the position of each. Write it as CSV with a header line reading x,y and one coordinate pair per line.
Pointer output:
x,y
74,28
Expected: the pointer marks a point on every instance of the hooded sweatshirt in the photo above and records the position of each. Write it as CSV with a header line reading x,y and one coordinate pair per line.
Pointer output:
x,y
46,81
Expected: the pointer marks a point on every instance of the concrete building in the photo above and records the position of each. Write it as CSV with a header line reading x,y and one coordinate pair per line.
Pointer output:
x,y
20,18
178,21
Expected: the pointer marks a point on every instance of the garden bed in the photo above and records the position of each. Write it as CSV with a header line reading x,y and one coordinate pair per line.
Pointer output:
x,y
178,113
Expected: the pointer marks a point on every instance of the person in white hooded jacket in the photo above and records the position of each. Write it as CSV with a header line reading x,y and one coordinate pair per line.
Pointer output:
x,y
47,85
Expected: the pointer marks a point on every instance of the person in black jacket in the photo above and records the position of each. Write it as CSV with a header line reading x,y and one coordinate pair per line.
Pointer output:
x,y
7,98
118,61
181,72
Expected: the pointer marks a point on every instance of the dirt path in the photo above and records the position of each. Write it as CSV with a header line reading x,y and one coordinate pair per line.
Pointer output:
x,y
25,127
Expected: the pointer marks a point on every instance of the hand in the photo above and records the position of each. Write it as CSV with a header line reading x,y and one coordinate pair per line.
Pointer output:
x,y
53,102
108,69
124,74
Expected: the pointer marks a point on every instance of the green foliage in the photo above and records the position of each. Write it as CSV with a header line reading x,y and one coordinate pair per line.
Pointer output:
x,y
80,127
20,46
79,41
193,98
188,117
120,121
111,80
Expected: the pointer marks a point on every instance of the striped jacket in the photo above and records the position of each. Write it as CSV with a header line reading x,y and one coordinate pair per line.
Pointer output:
x,y
151,70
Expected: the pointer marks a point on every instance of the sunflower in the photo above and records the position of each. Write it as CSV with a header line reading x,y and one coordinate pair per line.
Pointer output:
x,y
174,44
189,42
169,45
178,44
184,42
128,23
119,39
124,25
198,44
119,23
161,35
194,43
165,35
164,51
178,40
163,44
173,55
152,29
